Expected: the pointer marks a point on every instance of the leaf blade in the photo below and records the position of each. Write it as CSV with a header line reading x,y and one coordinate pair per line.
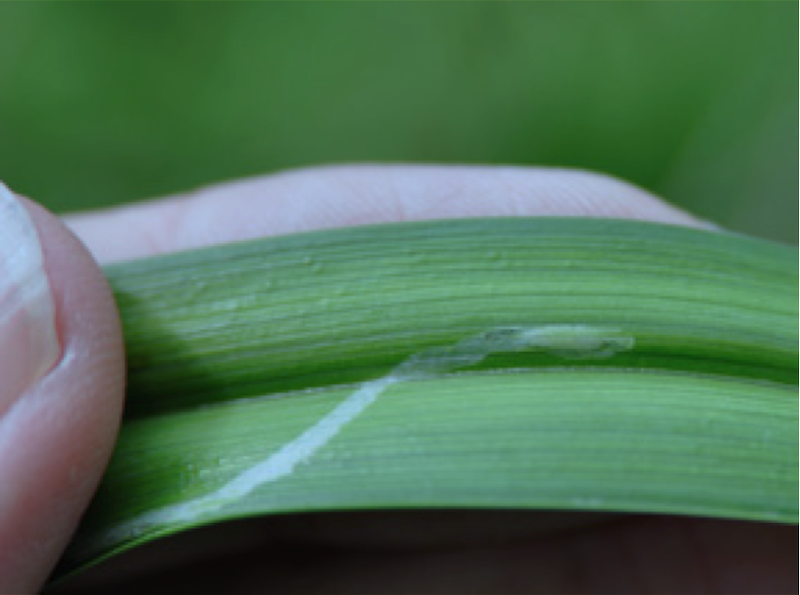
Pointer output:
x,y
275,336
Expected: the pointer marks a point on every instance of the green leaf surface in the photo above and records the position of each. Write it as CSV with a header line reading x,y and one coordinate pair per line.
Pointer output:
x,y
543,363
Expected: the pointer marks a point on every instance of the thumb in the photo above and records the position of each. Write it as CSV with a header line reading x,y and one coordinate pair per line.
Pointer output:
x,y
61,388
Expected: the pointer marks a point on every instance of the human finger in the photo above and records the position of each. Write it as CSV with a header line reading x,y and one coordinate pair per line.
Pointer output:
x,y
343,196
62,372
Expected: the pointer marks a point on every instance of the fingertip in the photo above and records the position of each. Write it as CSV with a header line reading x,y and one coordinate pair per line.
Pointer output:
x,y
56,438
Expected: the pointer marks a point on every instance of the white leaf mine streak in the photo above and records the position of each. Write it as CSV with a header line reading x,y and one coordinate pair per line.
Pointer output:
x,y
573,341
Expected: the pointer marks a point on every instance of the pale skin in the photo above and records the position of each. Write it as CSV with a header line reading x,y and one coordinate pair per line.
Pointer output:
x,y
54,449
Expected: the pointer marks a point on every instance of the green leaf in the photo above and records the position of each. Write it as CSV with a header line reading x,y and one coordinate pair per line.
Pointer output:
x,y
573,364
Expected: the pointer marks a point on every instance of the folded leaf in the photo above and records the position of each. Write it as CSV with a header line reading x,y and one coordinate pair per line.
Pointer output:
x,y
574,364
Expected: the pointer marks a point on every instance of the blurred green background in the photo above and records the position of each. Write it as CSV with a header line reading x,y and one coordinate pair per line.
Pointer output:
x,y
102,103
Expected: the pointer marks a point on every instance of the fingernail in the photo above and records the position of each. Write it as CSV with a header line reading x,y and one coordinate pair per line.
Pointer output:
x,y
29,344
